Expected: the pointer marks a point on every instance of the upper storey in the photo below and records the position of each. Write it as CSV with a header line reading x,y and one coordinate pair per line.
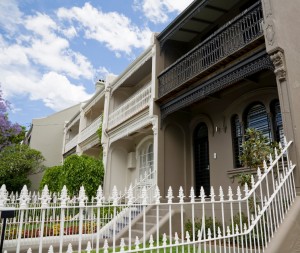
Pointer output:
x,y
205,37
131,91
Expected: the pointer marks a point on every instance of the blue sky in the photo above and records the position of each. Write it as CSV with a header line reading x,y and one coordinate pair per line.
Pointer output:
x,y
52,52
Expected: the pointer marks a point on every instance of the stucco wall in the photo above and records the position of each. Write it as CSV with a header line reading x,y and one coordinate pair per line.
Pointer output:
x,y
282,33
47,136
216,113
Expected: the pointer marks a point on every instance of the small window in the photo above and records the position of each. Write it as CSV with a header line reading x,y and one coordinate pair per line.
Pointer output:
x,y
237,139
277,121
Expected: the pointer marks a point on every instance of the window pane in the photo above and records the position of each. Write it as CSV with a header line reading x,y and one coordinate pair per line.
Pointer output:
x,y
258,119
237,138
277,119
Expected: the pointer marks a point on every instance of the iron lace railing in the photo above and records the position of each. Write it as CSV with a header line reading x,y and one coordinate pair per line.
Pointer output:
x,y
136,103
230,38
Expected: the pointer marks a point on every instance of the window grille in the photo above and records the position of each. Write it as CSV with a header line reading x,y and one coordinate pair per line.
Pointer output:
x,y
256,117
237,139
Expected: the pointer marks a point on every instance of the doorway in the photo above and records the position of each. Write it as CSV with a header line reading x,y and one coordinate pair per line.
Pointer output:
x,y
201,159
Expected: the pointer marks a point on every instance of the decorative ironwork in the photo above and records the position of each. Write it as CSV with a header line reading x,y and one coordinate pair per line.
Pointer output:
x,y
233,36
238,72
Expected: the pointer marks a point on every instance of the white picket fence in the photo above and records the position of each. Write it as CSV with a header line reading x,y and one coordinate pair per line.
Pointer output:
x,y
240,221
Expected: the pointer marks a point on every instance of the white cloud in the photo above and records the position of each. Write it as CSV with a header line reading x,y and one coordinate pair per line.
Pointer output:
x,y
57,92
157,10
115,30
10,15
69,32
50,50
38,62
54,89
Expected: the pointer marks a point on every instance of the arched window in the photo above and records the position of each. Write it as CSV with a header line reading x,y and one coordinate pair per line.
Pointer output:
x,y
277,121
237,140
256,117
146,160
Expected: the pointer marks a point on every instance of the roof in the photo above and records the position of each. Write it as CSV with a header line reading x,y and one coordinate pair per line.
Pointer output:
x,y
199,16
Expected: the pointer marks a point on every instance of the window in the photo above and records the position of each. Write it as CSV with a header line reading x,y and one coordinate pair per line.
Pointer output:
x,y
256,116
146,162
237,140
277,121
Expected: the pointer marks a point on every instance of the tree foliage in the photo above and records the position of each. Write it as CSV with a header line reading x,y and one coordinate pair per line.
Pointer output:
x,y
75,172
16,163
82,170
52,178
256,149
10,133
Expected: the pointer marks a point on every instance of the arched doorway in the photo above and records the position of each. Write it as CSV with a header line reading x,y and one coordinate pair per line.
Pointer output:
x,y
201,159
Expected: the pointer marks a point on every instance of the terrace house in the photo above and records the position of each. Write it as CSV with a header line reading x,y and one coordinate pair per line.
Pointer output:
x,y
129,126
81,135
223,67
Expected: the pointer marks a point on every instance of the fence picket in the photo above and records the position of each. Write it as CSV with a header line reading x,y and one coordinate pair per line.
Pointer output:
x,y
60,218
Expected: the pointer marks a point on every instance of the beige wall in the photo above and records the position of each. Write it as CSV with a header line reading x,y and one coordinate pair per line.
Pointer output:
x,y
47,136
178,129
282,33
117,171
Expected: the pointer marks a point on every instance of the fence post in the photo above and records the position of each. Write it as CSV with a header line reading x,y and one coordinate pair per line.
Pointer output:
x,y
115,203
24,199
81,198
99,199
170,197
45,198
129,203
63,204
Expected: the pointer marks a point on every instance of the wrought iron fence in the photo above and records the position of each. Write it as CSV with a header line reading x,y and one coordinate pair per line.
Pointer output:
x,y
230,38
240,221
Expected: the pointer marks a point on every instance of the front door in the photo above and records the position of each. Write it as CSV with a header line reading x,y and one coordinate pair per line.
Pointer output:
x,y
201,157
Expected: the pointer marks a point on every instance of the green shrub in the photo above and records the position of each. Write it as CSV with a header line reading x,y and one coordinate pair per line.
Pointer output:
x,y
236,220
82,170
198,225
52,178
16,163
256,149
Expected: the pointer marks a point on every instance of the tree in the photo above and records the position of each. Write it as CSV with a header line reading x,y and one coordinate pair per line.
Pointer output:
x,y
256,149
75,172
10,133
16,163
82,170
53,179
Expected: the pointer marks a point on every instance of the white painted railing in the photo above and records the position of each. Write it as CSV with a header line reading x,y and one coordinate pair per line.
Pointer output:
x,y
71,144
225,222
134,104
91,129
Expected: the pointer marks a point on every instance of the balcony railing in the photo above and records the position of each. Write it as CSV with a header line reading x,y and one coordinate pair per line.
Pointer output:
x,y
71,144
236,34
91,129
130,107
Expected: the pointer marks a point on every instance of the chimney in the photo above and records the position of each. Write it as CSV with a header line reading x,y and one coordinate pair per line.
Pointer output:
x,y
100,84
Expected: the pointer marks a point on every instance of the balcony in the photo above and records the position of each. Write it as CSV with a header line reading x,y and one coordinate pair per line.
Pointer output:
x,y
240,33
91,129
71,144
130,107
